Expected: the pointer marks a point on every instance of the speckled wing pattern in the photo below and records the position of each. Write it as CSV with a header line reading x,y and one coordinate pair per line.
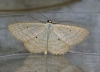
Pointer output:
x,y
34,36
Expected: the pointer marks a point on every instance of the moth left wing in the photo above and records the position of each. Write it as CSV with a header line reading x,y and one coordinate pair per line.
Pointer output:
x,y
26,31
38,43
72,35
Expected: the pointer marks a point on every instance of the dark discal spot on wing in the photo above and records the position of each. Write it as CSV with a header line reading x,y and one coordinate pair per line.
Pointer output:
x,y
57,70
58,39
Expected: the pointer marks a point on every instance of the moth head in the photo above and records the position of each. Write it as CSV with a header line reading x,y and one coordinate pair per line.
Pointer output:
x,y
49,21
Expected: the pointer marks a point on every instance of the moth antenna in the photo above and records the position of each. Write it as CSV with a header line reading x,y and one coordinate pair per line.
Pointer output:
x,y
43,15
53,20
36,19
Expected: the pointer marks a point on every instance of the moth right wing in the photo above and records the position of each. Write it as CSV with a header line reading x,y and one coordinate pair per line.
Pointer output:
x,y
56,45
26,31
72,35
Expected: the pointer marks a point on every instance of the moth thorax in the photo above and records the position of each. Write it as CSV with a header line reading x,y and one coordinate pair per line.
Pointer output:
x,y
49,21
49,26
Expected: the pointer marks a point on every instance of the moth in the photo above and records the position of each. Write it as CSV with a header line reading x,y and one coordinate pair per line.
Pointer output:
x,y
48,37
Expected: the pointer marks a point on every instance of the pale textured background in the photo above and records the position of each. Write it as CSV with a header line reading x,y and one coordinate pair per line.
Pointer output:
x,y
85,13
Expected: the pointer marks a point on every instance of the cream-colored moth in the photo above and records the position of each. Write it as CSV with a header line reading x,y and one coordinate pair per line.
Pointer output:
x,y
43,37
